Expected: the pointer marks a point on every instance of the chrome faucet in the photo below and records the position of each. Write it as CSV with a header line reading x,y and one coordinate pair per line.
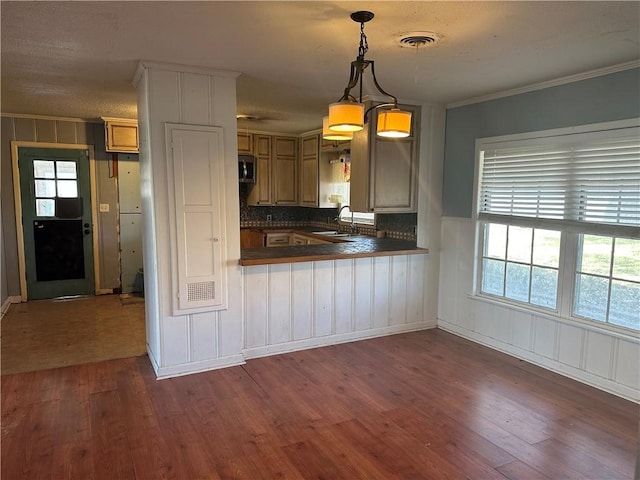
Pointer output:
x,y
352,225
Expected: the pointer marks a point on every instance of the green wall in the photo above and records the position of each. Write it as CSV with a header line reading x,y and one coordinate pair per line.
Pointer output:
x,y
601,99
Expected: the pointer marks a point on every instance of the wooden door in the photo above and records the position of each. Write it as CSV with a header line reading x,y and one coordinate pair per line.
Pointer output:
x,y
55,194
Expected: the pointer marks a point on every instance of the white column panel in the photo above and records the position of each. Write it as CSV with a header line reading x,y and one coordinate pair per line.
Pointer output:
x,y
399,290
230,333
256,305
599,354
381,291
301,300
628,364
279,304
363,302
204,336
546,336
175,340
447,296
343,296
323,298
572,341
192,106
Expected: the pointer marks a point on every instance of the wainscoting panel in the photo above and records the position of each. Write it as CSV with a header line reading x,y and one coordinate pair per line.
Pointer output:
x,y
310,304
584,352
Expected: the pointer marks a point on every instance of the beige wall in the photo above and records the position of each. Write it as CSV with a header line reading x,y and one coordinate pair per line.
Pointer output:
x,y
50,130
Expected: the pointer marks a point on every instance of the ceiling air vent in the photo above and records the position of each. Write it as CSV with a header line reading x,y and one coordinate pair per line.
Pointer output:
x,y
418,39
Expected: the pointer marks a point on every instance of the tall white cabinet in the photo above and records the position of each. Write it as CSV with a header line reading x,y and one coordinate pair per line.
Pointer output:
x,y
193,287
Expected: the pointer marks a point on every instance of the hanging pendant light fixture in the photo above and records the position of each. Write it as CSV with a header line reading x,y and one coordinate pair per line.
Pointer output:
x,y
348,114
331,135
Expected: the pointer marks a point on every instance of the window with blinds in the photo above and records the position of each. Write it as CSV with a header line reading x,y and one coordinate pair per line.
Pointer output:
x,y
559,223
591,177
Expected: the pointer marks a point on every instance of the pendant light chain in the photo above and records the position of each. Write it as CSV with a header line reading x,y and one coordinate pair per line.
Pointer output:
x,y
364,46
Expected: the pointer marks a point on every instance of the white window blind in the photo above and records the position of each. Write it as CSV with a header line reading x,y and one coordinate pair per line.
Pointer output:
x,y
590,177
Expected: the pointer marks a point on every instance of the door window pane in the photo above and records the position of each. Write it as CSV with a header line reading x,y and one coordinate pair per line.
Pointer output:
x,y
43,169
45,188
67,188
45,207
66,169
519,249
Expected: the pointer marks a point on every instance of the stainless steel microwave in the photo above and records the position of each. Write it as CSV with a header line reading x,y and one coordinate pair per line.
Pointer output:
x,y
247,168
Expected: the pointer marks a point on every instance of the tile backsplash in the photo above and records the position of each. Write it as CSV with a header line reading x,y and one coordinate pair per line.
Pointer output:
x,y
397,225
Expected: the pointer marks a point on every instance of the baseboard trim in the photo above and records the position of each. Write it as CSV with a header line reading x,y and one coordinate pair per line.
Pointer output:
x,y
600,383
198,367
7,303
104,291
308,343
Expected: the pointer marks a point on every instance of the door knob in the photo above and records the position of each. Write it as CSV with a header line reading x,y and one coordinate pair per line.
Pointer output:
x,y
86,225
87,231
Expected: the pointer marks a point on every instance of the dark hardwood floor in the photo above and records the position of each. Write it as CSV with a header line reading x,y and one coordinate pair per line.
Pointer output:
x,y
424,405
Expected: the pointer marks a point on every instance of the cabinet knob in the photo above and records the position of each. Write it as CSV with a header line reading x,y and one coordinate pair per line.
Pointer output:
x,y
215,239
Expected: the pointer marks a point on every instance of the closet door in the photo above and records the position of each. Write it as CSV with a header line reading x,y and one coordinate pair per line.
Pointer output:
x,y
195,157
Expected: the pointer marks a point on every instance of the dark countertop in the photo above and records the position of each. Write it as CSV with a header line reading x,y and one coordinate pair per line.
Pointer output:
x,y
357,246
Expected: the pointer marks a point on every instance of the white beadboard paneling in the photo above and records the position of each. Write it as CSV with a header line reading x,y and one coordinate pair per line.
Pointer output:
x,y
176,341
230,334
192,106
280,305
599,354
204,336
381,290
501,325
362,292
398,297
522,330
571,340
483,313
447,291
545,337
323,297
343,296
416,289
628,364
256,305
301,300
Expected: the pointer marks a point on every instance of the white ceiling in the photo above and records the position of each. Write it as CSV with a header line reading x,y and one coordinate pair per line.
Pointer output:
x,y
77,59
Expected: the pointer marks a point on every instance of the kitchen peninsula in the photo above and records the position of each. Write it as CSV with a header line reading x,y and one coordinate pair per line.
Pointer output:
x,y
356,246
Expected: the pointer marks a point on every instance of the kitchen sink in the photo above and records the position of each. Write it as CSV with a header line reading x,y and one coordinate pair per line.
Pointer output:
x,y
332,233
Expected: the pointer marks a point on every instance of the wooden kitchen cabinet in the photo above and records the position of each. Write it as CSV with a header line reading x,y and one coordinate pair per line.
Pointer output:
x,y
260,192
321,179
278,239
384,171
285,171
309,158
245,142
121,135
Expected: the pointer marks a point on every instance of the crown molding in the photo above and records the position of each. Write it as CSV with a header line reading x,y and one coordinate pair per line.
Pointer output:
x,y
48,117
548,84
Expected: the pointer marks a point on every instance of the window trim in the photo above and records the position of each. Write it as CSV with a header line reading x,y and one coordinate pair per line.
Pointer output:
x,y
570,231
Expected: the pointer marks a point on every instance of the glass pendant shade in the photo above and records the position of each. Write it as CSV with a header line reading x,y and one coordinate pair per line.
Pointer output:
x,y
394,123
331,135
346,116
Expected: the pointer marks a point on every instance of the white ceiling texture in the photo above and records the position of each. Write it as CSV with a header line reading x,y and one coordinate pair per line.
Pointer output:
x,y
77,59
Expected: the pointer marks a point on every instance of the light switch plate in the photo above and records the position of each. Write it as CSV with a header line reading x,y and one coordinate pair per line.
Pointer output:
x,y
104,207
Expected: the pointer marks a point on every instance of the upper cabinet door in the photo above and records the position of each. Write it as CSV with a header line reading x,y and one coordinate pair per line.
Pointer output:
x,y
121,135
285,171
245,142
309,158
384,171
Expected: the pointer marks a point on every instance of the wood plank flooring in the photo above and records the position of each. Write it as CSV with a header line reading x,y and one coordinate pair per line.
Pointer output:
x,y
423,405
54,333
